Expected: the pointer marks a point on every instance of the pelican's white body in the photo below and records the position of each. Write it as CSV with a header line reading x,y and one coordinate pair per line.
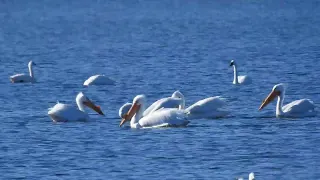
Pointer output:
x,y
166,117
297,108
209,108
24,78
98,80
64,112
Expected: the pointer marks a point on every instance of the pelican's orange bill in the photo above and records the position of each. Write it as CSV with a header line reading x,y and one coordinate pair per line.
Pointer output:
x,y
269,98
132,111
93,107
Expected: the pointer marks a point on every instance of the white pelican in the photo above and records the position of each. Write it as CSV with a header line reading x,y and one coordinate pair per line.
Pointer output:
x,y
63,112
162,118
239,79
251,177
298,108
175,101
24,78
209,108
98,80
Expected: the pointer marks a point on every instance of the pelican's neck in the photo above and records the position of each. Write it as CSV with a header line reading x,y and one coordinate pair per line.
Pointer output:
x,y
80,105
30,69
235,75
135,119
183,103
279,111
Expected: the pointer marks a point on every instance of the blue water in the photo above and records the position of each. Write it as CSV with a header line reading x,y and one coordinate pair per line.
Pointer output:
x,y
157,47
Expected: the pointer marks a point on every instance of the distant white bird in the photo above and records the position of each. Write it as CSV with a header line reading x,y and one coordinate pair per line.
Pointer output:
x,y
166,117
298,108
24,78
251,177
64,112
98,80
239,79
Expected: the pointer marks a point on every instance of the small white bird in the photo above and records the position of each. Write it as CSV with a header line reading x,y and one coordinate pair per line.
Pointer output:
x,y
251,177
239,79
298,108
65,113
98,80
24,78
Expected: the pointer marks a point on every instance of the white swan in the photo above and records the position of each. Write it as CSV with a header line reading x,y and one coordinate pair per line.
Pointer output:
x,y
251,177
298,108
24,78
63,112
239,79
98,80
162,118
209,108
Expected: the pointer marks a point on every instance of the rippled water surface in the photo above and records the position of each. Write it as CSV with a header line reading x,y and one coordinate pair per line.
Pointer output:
x,y
155,48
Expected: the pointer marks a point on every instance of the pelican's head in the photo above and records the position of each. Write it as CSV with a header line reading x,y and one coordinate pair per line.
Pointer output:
x,y
232,63
124,109
83,100
251,176
178,94
31,63
138,101
277,90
